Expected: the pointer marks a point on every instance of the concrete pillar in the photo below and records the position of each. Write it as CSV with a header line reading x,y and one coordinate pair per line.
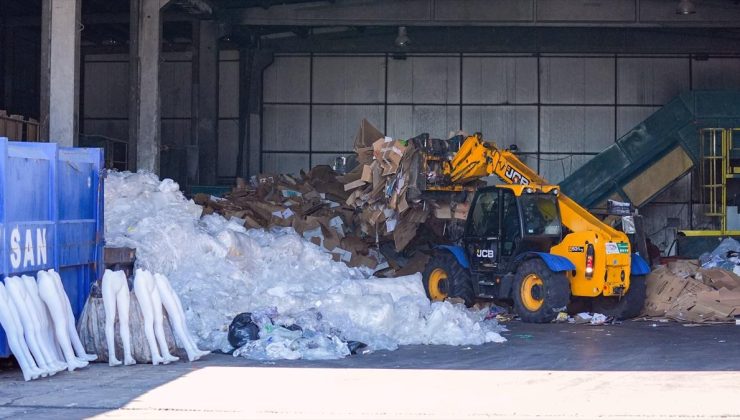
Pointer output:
x,y
207,100
246,67
144,54
60,70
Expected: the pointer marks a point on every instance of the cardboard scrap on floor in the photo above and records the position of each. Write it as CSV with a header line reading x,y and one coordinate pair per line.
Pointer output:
x,y
685,292
350,214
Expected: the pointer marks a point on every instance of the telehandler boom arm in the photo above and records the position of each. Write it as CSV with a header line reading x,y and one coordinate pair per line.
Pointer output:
x,y
477,158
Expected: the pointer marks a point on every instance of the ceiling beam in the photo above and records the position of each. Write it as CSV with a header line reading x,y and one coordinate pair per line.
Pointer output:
x,y
617,13
517,39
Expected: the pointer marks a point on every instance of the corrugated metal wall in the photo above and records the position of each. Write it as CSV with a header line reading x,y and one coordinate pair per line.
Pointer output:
x,y
105,93
559,109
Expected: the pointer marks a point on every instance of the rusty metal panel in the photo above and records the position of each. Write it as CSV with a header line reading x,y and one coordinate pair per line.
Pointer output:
x,y
334,126
228,89
505,125
406,121
576,129
628,117
349,79
284,163
285,127
105,90
500,80
577,80
431,80
716,73
228,143
555,167
287,79
651,81
175,86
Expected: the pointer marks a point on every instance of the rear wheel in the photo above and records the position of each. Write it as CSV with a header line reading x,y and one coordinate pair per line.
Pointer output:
x,y
444,277
539,293
625,307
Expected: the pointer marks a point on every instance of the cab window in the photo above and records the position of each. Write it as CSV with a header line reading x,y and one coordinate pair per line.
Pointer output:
x,y
540,212
511,229
484,219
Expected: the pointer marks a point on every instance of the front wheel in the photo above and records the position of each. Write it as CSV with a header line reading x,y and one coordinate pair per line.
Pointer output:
x,y
625,307
539,293
444,277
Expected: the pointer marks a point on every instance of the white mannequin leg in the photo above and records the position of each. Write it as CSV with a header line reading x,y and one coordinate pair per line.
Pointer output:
x,y
31,324
116,296
142,286
188,336
14,331
68,315
71,327
46,330
159,326
123,298
110,289
177,317
48,293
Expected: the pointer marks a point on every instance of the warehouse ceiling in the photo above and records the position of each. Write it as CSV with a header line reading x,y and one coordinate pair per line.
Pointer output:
x,y
433,25
651,26
620,13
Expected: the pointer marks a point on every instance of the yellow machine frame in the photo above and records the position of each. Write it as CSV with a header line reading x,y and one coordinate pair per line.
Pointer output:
x,y
477,158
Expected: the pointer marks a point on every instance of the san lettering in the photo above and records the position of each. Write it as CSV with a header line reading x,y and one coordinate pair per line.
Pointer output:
x,y
27,250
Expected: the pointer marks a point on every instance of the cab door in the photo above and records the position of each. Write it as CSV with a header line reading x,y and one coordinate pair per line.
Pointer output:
x,y
510,243
482,231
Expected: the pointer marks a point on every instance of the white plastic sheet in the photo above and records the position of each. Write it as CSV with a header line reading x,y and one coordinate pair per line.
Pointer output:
x,y
219,269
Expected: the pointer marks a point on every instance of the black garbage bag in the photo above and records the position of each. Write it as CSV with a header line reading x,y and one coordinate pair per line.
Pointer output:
x,y
355,346
243,330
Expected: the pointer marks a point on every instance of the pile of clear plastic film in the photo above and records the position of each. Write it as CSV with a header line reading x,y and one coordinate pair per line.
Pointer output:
x,y
220,269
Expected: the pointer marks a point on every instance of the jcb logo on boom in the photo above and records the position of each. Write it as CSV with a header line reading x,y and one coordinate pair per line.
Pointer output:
x,y
484,253
515,176
25,251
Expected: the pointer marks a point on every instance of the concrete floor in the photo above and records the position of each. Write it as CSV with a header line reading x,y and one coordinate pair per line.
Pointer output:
x,y
632,370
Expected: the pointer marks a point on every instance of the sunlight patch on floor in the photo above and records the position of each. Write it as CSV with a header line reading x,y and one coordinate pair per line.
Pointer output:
x,y
257,392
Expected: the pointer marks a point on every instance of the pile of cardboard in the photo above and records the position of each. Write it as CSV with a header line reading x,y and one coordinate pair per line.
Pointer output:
x,y
351,215
683,291
384,190
310,204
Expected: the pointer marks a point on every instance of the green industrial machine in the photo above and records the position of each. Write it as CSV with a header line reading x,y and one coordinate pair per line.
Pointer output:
x,y
696,129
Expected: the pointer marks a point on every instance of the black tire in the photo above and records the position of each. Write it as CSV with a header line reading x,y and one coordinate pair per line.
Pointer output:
x,y
628,306
539,293
457,283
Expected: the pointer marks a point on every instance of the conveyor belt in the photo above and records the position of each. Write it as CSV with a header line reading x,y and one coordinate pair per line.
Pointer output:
x,y
654,154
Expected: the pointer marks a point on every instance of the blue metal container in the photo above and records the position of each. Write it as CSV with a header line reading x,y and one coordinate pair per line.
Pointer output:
x,y
51,216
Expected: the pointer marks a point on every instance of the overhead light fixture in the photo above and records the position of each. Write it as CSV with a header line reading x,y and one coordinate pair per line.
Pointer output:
x,y
402,40
685,7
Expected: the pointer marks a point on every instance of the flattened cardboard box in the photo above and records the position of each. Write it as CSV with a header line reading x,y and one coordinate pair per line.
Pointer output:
x,y
663,291
366,134
718,278
367,174
684,268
